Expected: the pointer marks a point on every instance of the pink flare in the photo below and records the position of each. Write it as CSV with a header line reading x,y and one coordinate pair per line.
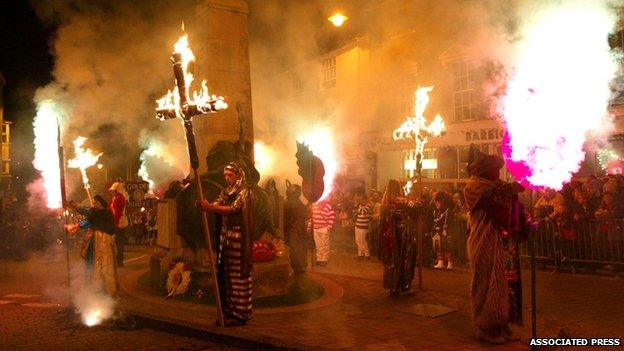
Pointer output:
x,y
520,170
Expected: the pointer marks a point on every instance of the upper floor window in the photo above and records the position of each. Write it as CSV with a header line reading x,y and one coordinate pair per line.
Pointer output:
x,y
466,99
5,133
329,73
407,85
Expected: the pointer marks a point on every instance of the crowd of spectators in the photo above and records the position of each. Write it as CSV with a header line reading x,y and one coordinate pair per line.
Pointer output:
x,y
580,200
343,232
584,217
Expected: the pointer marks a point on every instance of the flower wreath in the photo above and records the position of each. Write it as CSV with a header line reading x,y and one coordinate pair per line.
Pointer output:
x,y
179,276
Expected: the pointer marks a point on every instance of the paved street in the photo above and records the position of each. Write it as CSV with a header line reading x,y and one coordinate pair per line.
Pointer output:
x,y
34,315
33,304
366,317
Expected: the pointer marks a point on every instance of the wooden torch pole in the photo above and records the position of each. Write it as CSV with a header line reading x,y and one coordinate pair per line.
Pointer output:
x,y
178,72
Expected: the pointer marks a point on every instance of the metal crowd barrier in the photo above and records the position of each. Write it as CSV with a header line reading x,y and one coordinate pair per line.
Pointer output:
x,y
588,244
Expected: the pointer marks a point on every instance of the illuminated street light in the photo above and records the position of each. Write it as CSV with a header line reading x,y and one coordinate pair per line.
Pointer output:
x,y
338,19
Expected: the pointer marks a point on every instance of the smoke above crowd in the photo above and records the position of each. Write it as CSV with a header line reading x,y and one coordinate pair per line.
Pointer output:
x,y
513,41
111,64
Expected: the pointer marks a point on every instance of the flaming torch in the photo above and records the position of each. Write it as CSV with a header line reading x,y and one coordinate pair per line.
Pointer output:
x,y
179,104
416,127
84,159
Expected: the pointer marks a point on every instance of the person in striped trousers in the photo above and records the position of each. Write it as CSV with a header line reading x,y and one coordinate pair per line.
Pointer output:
x,y
362,212
323,217
234,259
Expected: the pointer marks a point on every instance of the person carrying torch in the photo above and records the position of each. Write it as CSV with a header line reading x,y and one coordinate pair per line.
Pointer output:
x,y
496,225
99,249
234,256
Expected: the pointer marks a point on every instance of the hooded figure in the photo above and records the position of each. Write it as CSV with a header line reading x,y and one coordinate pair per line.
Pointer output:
x,y
234,258
295,233
496,224
99,247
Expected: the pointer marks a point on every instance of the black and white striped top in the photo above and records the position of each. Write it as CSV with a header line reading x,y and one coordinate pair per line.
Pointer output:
x,y
363,214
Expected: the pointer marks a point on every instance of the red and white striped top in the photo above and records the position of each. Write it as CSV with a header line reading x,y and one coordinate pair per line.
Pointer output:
x,y
323,215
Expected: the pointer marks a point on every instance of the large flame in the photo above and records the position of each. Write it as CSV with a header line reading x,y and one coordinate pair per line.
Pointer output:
x,y
321,141
416,127
171,100
264,158
46,159
84,159
558,92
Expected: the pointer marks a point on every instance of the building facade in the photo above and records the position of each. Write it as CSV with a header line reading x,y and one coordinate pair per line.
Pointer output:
x,y
367,87
5,154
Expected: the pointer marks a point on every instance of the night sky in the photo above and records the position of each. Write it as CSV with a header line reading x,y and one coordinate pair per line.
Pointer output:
x,y
25,62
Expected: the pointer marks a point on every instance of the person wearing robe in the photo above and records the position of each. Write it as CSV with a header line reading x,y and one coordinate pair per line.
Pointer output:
x,y
295,220
234,258
99,250
496,224
399,239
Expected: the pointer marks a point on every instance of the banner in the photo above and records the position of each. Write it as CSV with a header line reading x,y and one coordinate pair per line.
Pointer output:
x,y
136,192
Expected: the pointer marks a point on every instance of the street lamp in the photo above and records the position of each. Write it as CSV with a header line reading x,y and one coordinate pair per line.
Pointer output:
x,y
338,19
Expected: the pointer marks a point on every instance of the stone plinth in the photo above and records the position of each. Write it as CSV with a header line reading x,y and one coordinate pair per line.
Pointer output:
x,y
222,58
269,278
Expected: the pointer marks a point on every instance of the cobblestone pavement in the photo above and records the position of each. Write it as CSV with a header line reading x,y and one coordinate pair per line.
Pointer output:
x,y
367,318
34,315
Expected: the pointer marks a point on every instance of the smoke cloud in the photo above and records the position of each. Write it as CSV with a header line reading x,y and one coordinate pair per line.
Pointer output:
x,y
111,64
406,40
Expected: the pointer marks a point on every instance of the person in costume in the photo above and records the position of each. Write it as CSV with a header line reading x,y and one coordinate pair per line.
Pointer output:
x,y
234,257
99,249
117,206
323,217
496,224
362,212
441,236
399,238
295,220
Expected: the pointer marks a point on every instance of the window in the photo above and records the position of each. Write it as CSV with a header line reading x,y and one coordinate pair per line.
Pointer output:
x,y
5,133
5,167
407,85
329,73
429,163
463,153
447,162
466,97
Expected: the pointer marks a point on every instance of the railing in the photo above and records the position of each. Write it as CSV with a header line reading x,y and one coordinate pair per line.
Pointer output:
x,y
591,244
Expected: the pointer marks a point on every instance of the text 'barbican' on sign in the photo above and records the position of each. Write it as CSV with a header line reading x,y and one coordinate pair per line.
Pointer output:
x,y
485,134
